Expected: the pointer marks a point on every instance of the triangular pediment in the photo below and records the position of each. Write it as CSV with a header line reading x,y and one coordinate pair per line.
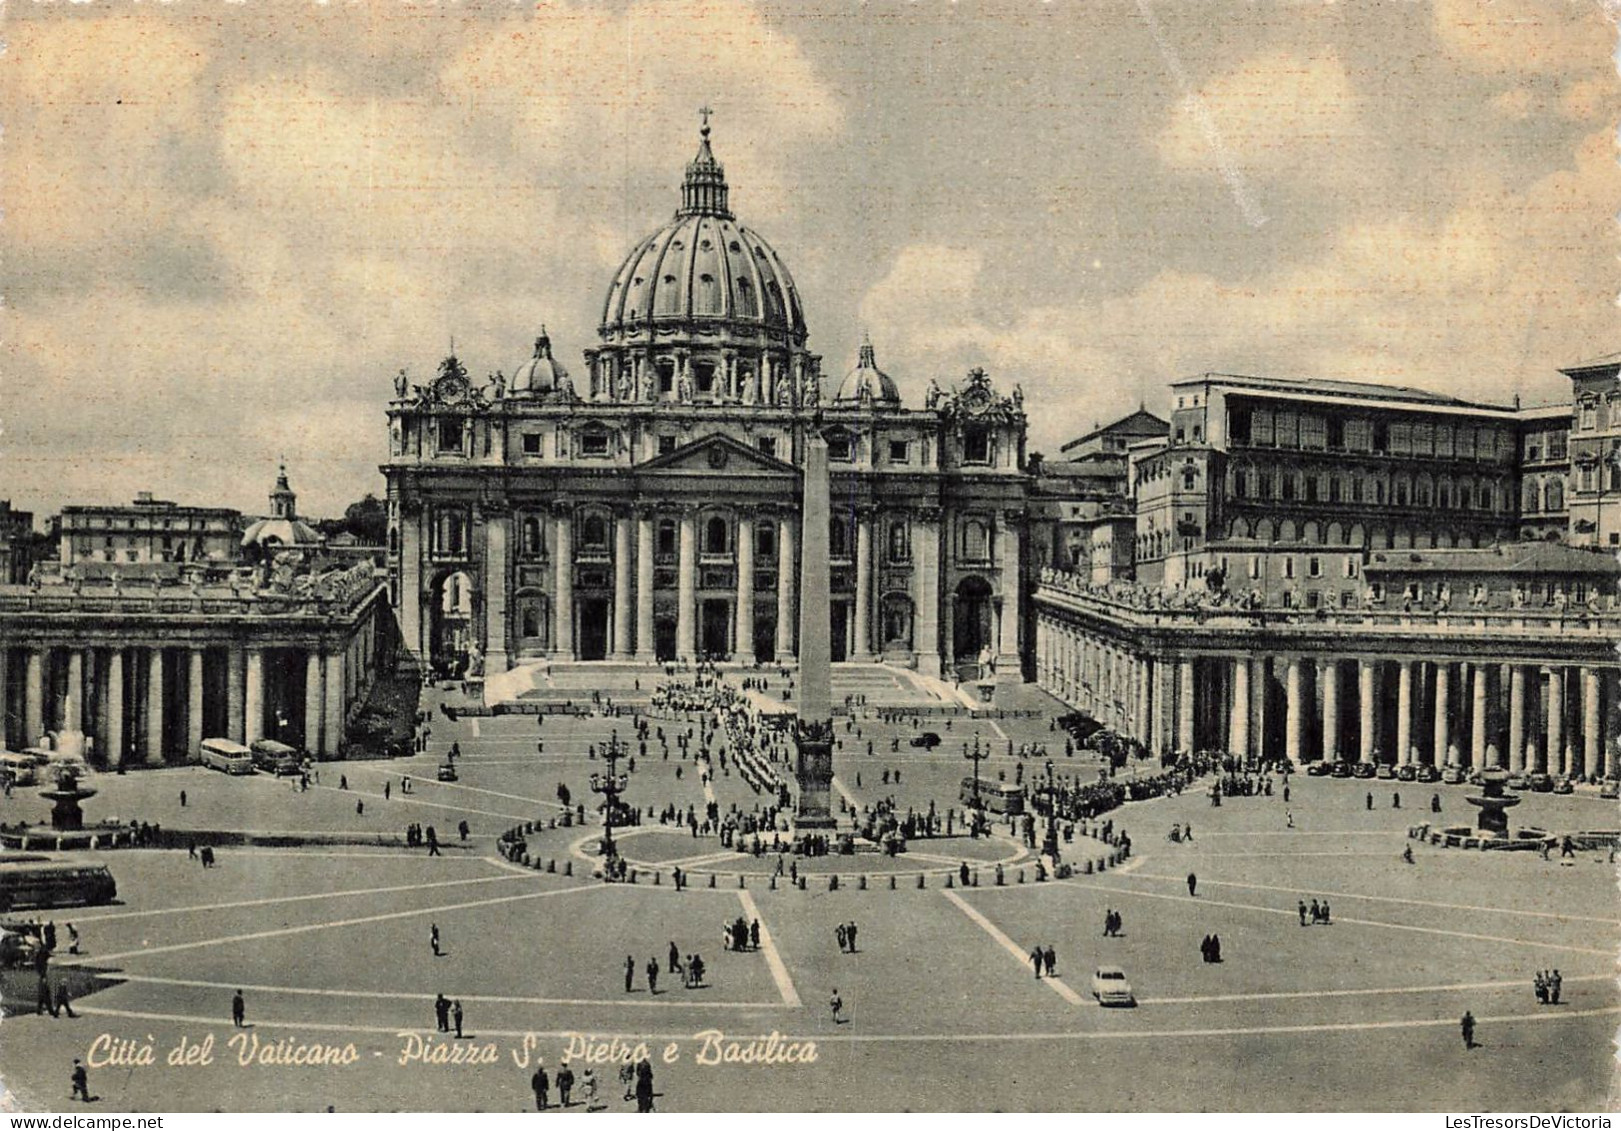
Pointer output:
x,y
719,455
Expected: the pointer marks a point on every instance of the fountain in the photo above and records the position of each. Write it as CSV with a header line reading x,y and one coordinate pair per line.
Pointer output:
x,y
66,814
1493,804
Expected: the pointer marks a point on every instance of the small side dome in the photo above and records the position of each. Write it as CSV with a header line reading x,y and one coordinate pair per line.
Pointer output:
x,y
541,374
866,382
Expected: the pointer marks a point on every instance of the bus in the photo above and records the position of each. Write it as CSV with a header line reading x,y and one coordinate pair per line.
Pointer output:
x,y
994,796
34,882
223,754
274,757
19,768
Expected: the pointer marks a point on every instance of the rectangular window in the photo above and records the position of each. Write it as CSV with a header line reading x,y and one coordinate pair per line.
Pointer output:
x,y
1289,568
1556,445
1313,432
976,446
666,445
452,434
1288,430
666,375
900,451
1314,567
531,443
1359,435
1263,430
1401,439
1351,565
1443,441
766,445
594,444
1255,567
840,448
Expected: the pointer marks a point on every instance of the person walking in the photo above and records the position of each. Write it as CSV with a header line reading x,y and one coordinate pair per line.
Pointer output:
x,y
842,935
433,938
64,1002
630,973
565,1084
433,841
644,1085
1302,912
182,799
1049,959
541,1084
239,1010
1193,884
850,934
837,1005
456,1013
1035,960
653,977
81,1082
441,1012
1467,1027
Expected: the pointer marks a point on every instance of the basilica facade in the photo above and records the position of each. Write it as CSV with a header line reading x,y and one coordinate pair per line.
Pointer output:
x,y
648,509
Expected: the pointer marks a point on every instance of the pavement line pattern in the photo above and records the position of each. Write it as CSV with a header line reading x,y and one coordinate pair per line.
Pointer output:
x,y
302,853
470,789
305,928
849,797
410,799
1056,985
689,861
271,900
1316,832
1000,733
1398,899
630,1001
773,960
1455,987
477,730
1291,914
897,1038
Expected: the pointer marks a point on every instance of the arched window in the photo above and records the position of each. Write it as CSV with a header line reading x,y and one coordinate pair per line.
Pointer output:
x,y
838,536
1555,495
594,532
900,549
393,539
532,545
715,535
1533,497
667,537
976,541
745,298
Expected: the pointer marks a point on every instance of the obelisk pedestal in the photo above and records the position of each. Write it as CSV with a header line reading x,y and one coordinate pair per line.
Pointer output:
x,y
813,734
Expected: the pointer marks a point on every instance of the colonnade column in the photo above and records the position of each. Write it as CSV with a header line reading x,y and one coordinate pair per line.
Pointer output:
x,y
253,713
1145,707
787,575
743,646
1258,681
1012,597
1328,674
1238,740
5,699
1590,722
312,701
563,589
863,644
644,586
1443,691
334,709
73,705
622,613
115,707
1477,740
235,661
1292,719
686,591
154,707
1516,719
1164,697
1404,713
1184,705
194,704
496,525
34,697
1365,697
926,590
409,598
1553,761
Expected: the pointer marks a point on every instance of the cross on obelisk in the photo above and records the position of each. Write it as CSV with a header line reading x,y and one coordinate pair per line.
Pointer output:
x,y
813,734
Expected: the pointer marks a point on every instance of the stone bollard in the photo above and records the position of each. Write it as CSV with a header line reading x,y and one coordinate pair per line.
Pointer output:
x,y
1103,863
862,886
632,876
773,881
551,866
711,879
1021,875
892,883
832,883
801,883
568,867
950,880
658,879
976,877
922,881
1086,868
740,884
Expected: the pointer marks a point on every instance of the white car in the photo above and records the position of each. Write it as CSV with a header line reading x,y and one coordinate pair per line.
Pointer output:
x,y
1109,987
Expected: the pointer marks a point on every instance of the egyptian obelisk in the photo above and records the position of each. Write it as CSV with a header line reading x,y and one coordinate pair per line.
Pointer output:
x,y
814,733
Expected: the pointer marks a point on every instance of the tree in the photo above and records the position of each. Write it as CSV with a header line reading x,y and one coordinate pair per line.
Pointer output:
x,y
367,520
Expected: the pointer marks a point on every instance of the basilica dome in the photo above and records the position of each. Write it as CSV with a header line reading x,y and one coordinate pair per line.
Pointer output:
x,y
703,266
542,373
866,382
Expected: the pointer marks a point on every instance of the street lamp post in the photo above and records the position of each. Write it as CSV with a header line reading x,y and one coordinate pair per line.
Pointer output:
x,y
610,785
1051,846
976,756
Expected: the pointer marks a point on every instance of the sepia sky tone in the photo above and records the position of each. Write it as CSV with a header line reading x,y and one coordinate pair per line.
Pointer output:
x,y
226,226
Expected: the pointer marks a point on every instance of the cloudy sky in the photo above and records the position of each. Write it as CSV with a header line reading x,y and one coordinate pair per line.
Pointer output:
x,y
227,226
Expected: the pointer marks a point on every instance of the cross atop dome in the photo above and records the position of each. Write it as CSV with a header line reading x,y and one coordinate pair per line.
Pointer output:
x,y
704,191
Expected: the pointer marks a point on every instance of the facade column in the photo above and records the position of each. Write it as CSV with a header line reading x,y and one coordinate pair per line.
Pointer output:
x,y
1443,724
1164,696
1516,719
73,702
312,702
194,705
1404,713
926,591
1293,713
1477,741
409,598
1553,754
1238,737
1009,663
1258,697
1184,705
863,630
334,708
563,584
644,587
622,613
1145,705
743,646
1590,723
686,591
235,662
787,577
497,526
253,702
154,707
34,701
1365,669
115,707
1328,674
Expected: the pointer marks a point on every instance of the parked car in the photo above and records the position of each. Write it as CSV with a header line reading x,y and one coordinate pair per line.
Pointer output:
x,y
1518,781
1385,772
928,740
1564,785
1363,770
447,771
1426,774
1539,783
1407,773
1341,770
1611,789
1109,987
1453,775
1319,769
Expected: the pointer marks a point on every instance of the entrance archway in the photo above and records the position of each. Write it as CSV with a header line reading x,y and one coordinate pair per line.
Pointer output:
x,y
896,623
716,640
452,628
664,639
971,626
839,642
592,627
